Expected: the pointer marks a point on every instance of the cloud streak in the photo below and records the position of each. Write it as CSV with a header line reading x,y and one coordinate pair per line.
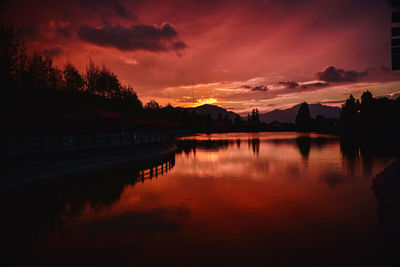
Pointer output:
x,y
291,85
258,88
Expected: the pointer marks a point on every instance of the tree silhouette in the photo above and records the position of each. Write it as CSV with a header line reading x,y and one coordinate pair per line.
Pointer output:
x,y
91,77
373,116
73,81
303,118
12,57
152,105
41,74
349,117
254,117
366,98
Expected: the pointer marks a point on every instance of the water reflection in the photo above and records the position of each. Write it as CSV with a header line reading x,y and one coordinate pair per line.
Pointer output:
x,y
355,152
187,146
45,204
334,179
254,143
304,145
282,199
360,152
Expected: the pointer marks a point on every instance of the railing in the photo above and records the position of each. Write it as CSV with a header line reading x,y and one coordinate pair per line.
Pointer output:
x,y
155,171
14,146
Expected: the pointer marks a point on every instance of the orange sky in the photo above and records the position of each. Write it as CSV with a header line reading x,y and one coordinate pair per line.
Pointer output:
x,y
236,54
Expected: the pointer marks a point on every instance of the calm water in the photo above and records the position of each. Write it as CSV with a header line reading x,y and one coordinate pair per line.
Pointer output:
x,y
223,199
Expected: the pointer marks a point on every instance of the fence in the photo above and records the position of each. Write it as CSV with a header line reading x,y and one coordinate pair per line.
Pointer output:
x,y
155,171
14,146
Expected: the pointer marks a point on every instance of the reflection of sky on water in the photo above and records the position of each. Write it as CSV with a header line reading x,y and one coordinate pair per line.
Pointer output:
x,y
256,200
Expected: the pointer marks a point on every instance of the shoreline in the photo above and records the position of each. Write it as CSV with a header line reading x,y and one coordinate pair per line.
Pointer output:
x,y
20,172
32,168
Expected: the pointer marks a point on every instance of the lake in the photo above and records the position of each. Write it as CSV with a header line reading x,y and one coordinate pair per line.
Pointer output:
x,y
222,199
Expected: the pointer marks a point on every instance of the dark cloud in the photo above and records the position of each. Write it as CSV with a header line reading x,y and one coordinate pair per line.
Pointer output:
x,y
52,52
64,31
258,88
178,45
333,179
161,219
135,37
112,7
313,85
332,74
296,85
289,84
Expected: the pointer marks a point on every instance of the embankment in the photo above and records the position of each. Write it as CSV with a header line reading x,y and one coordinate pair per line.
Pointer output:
x,y
23,170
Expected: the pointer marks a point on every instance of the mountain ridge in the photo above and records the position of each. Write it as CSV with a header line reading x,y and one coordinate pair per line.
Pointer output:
x,y
289,115
214,111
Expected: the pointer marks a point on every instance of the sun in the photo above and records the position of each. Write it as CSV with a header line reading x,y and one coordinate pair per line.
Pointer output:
x,y
203,101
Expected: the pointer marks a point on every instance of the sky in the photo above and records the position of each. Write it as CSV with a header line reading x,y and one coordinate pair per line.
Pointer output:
x,y
236,54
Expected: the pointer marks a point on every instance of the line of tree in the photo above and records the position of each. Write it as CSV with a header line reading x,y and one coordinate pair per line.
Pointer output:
x,y
372,116
37,96
254,117
305,123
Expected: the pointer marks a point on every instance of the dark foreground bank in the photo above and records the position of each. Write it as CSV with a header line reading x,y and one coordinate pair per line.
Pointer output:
x,y
18,171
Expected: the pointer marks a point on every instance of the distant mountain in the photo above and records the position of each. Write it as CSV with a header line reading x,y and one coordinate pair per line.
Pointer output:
x,y
213,111
289,115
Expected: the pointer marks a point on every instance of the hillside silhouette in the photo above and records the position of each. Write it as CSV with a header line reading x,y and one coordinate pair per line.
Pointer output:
x,y
214,111
289,115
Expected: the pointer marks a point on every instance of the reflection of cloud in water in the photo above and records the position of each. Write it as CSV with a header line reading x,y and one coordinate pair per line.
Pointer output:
x,y
161,219
293,170
260,166
333,179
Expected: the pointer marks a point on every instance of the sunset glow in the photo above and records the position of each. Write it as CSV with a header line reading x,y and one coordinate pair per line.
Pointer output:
x,y
266,54
200,132
204,101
